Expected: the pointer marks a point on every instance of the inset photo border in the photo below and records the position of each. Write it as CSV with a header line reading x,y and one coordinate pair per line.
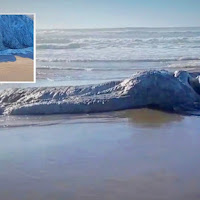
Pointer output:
x,y
17,47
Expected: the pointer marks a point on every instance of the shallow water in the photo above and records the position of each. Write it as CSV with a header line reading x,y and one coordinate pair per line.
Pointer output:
x,y
144,154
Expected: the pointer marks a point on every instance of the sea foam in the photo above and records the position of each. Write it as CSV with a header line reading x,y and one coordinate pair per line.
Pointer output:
x,y
178,92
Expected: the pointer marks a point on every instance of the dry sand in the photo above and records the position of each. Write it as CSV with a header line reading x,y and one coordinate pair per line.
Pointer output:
x,y
20,70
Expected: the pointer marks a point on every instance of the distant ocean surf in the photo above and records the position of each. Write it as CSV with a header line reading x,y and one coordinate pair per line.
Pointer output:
x,y
96,55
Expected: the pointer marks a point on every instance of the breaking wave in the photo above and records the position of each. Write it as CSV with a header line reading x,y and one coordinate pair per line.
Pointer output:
x,y
118,60
98,43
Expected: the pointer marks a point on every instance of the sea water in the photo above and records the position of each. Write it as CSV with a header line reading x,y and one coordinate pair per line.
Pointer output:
x,y
85,56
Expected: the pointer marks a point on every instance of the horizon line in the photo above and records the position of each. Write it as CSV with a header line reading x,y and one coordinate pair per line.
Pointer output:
x,y
125,27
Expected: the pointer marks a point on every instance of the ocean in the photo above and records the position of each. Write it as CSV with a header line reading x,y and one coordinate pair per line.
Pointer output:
x,y
86,56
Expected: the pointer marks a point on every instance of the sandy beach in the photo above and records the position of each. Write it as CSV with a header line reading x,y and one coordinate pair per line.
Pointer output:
x,y
20,70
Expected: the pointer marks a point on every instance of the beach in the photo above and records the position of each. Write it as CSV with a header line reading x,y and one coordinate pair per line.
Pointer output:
x,y
131,154
20,70
140,154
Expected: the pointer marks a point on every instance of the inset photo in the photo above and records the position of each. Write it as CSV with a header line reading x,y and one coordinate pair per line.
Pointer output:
x,y
17,48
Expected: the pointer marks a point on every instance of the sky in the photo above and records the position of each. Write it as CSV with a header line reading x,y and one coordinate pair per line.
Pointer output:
x,y
107,13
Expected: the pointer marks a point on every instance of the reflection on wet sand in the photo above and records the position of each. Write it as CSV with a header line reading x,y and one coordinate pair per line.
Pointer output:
x,y
137,117
150,118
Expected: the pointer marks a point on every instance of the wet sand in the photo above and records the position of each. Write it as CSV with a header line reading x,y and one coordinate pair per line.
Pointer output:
x,y
136,154
20,70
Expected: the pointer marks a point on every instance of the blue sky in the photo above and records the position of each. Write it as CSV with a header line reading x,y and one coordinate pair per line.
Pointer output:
x,y
108,13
